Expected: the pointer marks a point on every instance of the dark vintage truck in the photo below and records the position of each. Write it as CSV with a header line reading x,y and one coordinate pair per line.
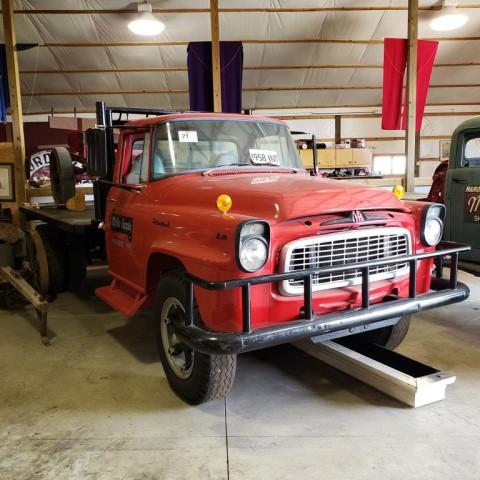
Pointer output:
x,y
456,183
211,221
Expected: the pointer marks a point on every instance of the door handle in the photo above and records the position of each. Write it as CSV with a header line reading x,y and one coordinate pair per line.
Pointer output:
x,y
111,199
460,180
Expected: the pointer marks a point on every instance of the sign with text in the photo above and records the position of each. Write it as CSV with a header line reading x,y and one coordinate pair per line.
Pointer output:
x,y
472,204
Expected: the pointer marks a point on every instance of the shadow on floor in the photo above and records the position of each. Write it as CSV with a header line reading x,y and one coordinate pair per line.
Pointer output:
x,y
261,373
96,277
285,368
137,336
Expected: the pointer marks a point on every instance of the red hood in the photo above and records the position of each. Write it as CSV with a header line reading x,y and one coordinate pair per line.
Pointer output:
x,y
282,196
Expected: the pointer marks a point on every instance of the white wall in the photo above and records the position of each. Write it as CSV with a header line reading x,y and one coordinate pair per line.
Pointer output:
x,y
438,127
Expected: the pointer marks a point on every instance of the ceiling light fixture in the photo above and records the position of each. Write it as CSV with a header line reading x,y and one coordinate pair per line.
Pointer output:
x,y
145,23
448,18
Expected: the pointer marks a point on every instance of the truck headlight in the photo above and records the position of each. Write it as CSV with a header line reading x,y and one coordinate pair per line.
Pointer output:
x,y
432,224
252,245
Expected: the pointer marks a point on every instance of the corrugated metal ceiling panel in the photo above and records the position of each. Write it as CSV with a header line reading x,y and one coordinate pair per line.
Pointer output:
x,y
111,28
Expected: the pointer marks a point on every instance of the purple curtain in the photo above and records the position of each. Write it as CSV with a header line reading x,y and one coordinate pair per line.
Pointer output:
x,y
199,61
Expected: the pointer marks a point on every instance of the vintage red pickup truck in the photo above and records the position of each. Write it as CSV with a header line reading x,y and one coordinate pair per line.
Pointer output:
x,y
211,220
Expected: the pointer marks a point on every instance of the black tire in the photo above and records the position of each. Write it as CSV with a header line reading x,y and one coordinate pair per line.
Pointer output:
x,y
56,258
208,377
389,337
62,175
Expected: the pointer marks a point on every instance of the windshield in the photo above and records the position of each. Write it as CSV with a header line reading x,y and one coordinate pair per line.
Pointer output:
x,y
187,145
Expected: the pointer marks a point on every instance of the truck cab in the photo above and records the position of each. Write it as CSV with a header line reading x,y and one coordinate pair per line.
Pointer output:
x,y
462,190
211,221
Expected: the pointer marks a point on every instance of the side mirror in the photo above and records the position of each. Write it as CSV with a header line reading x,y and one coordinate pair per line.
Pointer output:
x,y
98,152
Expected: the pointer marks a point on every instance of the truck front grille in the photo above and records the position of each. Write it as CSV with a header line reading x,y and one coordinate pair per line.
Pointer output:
x,y
344,248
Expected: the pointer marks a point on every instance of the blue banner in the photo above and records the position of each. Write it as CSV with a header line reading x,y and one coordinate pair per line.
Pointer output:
x,y
4,93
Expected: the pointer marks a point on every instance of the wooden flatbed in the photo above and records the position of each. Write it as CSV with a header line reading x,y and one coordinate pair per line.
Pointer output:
x,y
66,220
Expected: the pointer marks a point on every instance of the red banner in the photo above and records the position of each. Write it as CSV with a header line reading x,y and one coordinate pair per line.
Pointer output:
x,y
394,66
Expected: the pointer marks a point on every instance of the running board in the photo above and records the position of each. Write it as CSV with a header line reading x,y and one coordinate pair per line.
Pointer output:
x,y
400,377
121,297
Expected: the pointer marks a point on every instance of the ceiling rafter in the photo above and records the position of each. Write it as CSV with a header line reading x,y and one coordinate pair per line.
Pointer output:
x,y
252,89
247,67
250,41
105,11
290,107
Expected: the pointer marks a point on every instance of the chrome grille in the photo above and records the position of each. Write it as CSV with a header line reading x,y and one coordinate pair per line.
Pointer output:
x,y
345,248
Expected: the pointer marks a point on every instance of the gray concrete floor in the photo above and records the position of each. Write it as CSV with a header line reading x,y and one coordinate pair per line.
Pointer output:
x,y
96,405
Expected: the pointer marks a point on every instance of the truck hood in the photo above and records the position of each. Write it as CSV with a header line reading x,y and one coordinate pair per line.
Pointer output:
x,y
283,196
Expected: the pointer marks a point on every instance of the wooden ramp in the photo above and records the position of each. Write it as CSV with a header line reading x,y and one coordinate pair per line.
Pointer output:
x,y
400,377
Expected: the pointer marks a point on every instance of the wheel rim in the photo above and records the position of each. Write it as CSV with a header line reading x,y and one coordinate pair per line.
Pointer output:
x,y
179,356
38,263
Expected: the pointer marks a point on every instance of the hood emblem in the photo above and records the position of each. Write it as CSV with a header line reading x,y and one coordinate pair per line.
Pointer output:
x,y
357,216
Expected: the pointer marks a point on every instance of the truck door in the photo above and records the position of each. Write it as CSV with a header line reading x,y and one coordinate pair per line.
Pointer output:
x,y
127,203
462,193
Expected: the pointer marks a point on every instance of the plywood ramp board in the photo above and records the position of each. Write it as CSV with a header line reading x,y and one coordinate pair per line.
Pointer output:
x,y
408,389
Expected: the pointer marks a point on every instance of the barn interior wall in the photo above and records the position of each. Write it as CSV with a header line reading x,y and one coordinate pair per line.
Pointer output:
x,y
435,128
438,125
37,133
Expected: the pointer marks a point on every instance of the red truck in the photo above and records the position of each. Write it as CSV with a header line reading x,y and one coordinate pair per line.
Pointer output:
x,y
211,220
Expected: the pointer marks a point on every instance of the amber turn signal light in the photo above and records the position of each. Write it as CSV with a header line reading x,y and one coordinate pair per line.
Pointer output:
x,y
224,203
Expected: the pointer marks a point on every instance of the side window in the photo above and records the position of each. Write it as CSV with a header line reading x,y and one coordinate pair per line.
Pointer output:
x,y
136,163
471,152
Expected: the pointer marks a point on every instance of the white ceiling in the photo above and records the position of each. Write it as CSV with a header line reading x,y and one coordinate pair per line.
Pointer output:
x,y
183,27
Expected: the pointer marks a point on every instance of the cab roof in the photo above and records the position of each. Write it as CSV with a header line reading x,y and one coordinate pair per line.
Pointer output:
x,y
471,123
201,116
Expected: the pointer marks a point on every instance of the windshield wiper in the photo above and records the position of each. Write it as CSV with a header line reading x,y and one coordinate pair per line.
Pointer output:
x,y
206,172
235,164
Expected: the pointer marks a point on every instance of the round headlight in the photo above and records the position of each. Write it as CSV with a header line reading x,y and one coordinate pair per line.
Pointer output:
x,y
433,231
253,254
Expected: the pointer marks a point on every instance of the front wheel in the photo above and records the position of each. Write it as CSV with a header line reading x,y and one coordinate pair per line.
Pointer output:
x,y
195,377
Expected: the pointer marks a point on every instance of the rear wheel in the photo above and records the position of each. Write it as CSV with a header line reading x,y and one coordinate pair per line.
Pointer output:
x,y
47,258
389,337
195,377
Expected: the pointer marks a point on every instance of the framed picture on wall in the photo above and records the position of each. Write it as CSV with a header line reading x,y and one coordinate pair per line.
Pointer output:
x,y
445,149
7,184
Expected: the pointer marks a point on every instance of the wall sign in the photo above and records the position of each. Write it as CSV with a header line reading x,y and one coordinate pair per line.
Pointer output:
x,y
7,184
40,169
472,204
444,148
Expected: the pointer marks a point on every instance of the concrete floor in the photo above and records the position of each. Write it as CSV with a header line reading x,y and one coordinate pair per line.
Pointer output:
x,y
96,405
